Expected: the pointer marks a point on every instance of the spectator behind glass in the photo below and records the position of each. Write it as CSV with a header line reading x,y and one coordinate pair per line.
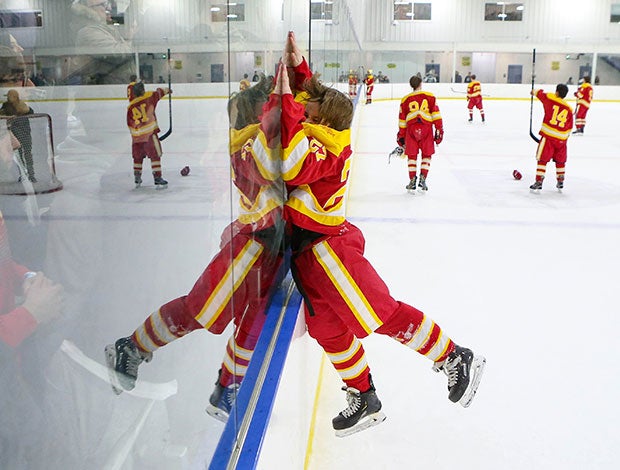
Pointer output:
x,y
92,23
12,65
21,373
20,127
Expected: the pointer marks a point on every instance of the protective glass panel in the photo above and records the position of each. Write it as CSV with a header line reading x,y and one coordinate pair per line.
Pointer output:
x,y
132,223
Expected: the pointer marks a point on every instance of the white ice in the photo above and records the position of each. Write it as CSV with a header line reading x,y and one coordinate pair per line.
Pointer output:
x,y
526,280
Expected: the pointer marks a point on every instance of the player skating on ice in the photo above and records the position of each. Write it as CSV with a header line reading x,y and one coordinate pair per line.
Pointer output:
x,y
238,282
142,124
344,297
584,95
369,81
554,133
418,115
474,98
352,84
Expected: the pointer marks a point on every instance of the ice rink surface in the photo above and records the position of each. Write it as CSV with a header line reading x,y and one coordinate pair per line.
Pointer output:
x,y
526,280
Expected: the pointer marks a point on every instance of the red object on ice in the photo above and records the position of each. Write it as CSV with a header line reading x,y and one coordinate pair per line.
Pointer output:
x,y
185,171
516,175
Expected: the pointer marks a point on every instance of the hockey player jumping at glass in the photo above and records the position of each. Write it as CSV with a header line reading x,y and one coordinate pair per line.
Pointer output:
x,y
19,125
584,96
239,280
418,115
142,123
554,132
344,297
474,98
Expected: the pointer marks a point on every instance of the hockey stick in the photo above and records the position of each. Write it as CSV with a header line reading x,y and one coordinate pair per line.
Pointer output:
x,y
536,139
169,131
149,390
464,92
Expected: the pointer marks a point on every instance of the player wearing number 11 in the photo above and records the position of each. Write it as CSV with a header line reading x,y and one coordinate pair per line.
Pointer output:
x,y
142,123
555,130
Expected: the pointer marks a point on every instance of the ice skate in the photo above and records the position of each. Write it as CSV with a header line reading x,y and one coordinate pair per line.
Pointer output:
x,y
422,184
364,411
578,131
160,183
464,371
537,186
137,180
412,184
470,120
123,359
222,400
560,185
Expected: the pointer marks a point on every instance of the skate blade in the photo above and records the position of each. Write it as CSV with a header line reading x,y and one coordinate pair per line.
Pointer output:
x,y
368,422
159,187
476,370
217,413
110,359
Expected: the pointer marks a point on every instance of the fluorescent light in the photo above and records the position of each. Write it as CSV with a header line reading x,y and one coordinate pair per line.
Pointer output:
x,y
215,8
520,8
232,15
502,15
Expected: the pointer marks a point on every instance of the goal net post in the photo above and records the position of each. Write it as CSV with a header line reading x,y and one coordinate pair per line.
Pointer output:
x,y
27,155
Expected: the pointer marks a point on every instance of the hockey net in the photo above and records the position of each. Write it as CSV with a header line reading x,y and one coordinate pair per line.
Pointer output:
x,y
27,155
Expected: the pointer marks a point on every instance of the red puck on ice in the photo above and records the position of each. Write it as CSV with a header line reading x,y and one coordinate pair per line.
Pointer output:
x,y
185,171
516,175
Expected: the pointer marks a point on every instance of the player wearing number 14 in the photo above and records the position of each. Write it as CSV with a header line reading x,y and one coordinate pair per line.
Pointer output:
x,y
142,123
555,130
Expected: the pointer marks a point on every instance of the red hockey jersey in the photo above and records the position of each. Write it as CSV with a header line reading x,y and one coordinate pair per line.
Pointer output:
x,y
141,118
558,120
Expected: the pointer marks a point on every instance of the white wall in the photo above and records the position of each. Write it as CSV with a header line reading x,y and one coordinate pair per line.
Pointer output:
x,y
381,91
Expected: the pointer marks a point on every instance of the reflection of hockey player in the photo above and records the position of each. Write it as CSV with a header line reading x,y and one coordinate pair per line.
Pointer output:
x,y
369,81
474,98
142,123
352,84
237,283
584,98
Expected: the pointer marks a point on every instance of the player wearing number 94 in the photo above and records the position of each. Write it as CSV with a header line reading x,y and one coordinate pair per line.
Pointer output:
x,y
555,130
418,115
142,123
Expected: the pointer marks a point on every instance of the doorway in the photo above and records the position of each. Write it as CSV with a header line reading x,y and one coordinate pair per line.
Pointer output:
x,y
515,74
217,73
